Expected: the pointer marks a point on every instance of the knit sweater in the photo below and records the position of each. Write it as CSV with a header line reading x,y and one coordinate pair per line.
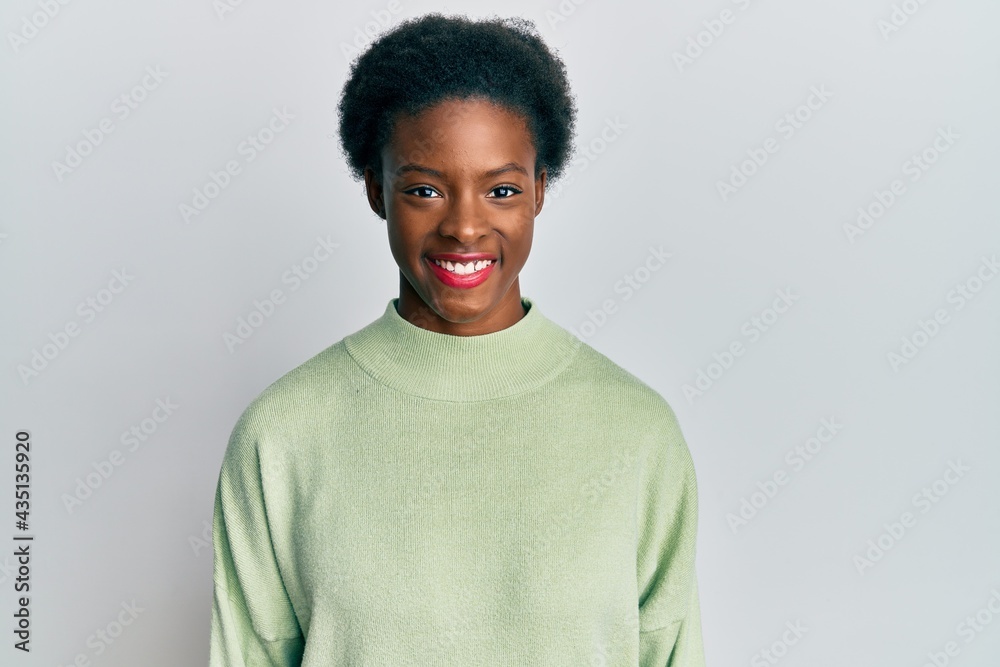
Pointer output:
x,y
408,497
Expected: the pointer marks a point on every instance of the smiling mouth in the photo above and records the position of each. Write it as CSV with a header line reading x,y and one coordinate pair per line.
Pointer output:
x,y
466,269
462,275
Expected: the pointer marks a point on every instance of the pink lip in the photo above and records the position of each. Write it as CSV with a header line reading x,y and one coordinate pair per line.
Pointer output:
x,y
459,257
462,282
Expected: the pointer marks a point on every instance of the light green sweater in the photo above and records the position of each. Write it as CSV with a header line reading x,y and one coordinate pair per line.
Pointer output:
x,y
407,497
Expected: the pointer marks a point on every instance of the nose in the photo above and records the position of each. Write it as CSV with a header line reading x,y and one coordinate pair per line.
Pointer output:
x,y
466,219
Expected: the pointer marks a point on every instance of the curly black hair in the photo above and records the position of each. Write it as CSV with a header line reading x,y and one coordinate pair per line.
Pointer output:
x,y
431,58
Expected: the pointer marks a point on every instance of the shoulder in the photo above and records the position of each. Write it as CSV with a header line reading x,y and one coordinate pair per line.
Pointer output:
x,y
610,382
628,406
293,400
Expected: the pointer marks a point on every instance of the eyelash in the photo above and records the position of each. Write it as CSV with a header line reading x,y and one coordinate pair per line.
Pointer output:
x,y
516,191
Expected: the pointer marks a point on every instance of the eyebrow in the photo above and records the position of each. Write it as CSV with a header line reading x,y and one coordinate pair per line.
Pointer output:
x,y
503,169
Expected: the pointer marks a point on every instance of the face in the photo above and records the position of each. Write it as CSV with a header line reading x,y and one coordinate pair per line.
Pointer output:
x,y
458,180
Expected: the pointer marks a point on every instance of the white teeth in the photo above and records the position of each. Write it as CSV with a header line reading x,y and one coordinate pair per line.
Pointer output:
x,y
464,269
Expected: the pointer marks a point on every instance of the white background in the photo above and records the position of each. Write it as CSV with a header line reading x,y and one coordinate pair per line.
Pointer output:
x,y
683,126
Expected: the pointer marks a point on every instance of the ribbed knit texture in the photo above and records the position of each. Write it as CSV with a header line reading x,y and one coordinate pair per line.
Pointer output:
x,y
407,497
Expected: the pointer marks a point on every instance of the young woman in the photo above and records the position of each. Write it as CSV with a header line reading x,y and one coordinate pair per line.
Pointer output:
x,y
462,481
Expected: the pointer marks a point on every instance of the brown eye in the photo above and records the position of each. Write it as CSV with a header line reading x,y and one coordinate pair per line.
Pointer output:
x,y
421,188
510,189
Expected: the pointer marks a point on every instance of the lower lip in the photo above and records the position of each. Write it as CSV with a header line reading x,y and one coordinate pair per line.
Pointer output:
x,y
463,282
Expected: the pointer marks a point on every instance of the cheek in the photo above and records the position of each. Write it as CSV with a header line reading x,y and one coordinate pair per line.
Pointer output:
x,y
397,245
405,248
519,238
523,232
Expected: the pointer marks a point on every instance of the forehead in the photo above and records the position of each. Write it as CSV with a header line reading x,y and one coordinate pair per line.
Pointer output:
x,y
458,131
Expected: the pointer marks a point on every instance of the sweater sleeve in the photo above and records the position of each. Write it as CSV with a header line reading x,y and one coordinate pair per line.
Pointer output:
x,y
253,622
669,611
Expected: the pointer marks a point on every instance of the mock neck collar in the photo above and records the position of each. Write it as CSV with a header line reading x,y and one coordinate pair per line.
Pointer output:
x,y
445,367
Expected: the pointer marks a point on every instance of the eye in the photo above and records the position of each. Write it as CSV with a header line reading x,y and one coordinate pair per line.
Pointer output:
x,y
423,188
509,188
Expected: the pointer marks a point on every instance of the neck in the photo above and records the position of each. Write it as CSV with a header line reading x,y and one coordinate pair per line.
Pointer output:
x,y
464,319
431,364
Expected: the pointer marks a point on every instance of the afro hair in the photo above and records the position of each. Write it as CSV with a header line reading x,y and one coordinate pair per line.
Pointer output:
x,y
432,58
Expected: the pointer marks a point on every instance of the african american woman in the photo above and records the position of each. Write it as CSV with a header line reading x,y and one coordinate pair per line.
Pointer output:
x,y
462,481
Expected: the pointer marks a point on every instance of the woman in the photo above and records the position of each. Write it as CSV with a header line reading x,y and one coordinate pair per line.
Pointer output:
x,y
462,481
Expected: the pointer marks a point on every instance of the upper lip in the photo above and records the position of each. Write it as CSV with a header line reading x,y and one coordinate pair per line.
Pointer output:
x,y
456,257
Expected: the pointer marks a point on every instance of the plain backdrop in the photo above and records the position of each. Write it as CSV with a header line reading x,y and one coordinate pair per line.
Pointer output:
x,y
823,176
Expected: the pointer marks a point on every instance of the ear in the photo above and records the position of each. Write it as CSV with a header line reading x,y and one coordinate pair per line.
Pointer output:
x,y
373,188
540,190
